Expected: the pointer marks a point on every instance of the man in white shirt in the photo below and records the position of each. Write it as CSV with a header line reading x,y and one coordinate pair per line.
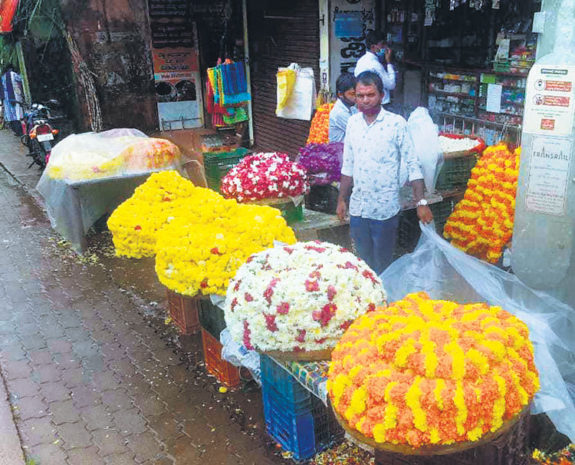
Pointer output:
x,y
375,144
344,107
377,52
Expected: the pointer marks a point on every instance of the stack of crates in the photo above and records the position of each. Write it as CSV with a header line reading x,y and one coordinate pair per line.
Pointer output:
x,y
213,323
295,418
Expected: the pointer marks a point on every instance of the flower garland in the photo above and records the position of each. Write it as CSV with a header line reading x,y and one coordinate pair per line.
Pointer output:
x,y
264,176
136,222
322,162
201,253
424,372
299,298
482,223
319,129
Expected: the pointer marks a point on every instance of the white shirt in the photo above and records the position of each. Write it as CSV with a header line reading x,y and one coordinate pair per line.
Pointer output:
x,y
338,118
370,62
372,156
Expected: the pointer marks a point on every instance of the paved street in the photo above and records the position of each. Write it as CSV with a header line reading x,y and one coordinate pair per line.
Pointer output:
x,y
94,375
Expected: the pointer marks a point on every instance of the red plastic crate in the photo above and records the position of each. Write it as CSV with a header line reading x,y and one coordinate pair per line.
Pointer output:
x,y
183,311
226,373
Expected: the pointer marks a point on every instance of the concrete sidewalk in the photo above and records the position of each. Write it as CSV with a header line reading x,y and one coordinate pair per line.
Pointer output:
x,y
93,374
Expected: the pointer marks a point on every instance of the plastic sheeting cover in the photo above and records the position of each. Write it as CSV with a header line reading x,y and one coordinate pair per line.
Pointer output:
x,y
445,272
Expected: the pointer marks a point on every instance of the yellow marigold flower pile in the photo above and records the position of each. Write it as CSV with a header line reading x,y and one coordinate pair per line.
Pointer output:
x,y
319,130
424,372
201,255
136,222
482,223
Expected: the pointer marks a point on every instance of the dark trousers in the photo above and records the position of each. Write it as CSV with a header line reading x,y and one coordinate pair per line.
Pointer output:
x,y
374,240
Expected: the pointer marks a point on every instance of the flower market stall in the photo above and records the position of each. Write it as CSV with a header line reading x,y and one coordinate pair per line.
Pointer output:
x,y
89,175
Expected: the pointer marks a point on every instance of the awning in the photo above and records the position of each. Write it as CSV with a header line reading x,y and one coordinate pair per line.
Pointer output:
x,y
7,11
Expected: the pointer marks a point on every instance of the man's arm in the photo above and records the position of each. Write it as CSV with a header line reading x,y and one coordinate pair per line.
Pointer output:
x,y
346,182
407,153
344,193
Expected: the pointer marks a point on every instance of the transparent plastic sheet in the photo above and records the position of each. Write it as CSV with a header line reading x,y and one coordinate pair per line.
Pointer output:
x,y
445,272
90,174
239,356
425,137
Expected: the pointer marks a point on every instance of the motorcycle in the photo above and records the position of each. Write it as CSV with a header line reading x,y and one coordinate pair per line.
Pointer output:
x,y
38,134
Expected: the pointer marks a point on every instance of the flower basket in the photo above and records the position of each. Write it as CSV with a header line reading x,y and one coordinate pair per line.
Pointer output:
x,y
301,356
291,211
511,437
217,165
478,149
183,311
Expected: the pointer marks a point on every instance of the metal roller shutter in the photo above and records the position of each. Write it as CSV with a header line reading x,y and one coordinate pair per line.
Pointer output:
x,y
281,32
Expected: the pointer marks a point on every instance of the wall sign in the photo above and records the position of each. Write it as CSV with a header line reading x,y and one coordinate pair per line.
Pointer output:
x,y
345,51
548,179
550,100
176,65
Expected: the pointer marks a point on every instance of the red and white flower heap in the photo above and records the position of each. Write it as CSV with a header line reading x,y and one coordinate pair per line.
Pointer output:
x,y
299,298
264,176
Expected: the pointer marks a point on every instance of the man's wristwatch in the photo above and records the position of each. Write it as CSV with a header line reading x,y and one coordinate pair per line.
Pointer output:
x,y
422,203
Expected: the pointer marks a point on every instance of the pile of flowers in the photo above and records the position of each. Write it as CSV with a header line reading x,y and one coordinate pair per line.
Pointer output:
x,y
565,456
80,159
200,253
343,454
322,162
319,129
456,143
482,223
299,298
135,224
264,176
426,372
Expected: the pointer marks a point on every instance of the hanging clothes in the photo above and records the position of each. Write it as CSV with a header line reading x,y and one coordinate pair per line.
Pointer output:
x,y
12,96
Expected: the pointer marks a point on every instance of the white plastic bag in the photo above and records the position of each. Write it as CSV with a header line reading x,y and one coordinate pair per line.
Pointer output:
x,y
425,137
239,356
301,101
445,272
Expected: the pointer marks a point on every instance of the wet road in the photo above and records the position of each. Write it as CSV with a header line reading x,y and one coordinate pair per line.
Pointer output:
x,y
94,374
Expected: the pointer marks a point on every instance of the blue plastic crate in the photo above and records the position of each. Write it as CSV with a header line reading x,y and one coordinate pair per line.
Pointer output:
x,y
293,431
283,384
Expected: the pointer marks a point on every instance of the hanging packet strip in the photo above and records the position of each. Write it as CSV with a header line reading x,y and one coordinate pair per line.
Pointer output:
x,y
234,84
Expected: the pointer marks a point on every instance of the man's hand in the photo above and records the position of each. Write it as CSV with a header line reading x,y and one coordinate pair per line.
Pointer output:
x,y
341,210
424,214
388,52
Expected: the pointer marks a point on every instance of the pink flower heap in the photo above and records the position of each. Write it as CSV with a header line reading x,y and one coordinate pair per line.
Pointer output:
x,y
264,176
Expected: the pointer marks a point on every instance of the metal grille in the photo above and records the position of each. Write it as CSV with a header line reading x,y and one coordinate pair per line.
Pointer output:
x,y
489,131
284,32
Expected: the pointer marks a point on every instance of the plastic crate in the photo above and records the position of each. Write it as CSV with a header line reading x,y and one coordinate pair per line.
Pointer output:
x,y
295,418
225,372
455,173
217,165
212,318
322,199
282,383
294,431
441,212
183,311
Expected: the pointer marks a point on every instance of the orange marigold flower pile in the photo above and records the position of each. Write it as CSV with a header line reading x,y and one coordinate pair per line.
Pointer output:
x,y
482,223
319,130
424,372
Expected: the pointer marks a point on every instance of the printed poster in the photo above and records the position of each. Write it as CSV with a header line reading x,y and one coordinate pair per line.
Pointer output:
x,y
550,100
549,170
